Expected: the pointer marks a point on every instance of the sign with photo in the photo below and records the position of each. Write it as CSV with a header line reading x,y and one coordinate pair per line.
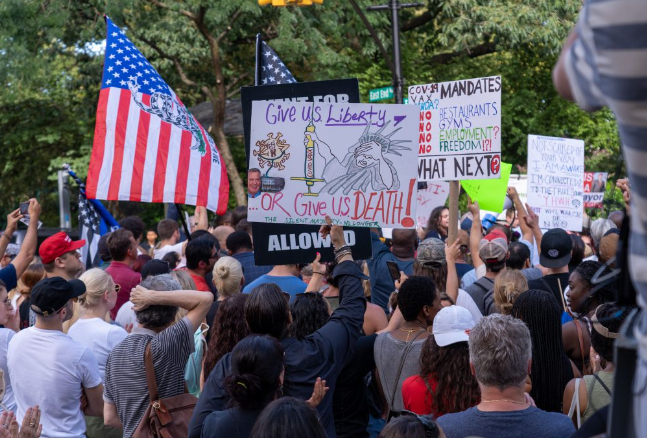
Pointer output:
x,y
595,184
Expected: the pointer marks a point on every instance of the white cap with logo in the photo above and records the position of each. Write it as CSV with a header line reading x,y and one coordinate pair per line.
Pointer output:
x,y
451,325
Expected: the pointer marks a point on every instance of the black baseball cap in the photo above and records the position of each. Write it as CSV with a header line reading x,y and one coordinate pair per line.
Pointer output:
x,y
155,267
52,294
556,247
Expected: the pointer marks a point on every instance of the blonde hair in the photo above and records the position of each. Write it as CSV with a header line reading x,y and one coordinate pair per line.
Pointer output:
x,y
187,283
227,276
97,283
508,285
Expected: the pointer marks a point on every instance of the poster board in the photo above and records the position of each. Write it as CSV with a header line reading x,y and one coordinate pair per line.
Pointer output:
x,y
459,129
595,185
556,181
353,162
430,195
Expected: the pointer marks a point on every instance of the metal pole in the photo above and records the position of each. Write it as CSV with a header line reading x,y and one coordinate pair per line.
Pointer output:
x,y
64,200
395,23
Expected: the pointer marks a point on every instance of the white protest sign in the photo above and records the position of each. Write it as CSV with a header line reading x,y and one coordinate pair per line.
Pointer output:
x,y
353,162
556,181
459,129
434,195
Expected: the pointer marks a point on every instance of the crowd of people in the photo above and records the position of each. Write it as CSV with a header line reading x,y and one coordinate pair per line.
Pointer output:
x,y
504,332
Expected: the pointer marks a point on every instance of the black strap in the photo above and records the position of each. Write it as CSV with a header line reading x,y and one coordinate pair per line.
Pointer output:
x,y
404,356
606,388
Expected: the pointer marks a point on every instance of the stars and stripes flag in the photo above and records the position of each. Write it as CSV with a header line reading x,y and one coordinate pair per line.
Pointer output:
x,y
147,146
270,70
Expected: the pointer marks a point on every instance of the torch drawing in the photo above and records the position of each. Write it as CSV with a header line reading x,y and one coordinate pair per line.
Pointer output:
x,y
309,165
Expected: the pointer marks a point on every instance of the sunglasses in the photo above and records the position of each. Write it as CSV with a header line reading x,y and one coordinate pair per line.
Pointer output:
x,y
117,288
431,429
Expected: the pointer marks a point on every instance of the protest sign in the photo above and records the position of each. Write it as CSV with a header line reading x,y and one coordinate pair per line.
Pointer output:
x,y
556,181
520,182
459,129
343,90
595,184
353,162
490,193
430,196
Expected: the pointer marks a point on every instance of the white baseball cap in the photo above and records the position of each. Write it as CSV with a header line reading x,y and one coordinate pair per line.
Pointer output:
x,y
451,325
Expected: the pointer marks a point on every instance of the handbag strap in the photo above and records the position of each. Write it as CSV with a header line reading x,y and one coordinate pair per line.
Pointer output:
x,y
575,404
404,356
150,373
580,338
606,388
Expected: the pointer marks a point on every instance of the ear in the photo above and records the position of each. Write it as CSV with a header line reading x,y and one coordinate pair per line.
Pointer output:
x,y
472,369
529,366
242,281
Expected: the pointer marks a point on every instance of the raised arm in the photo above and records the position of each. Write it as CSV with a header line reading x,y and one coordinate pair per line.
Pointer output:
x,y
197,303
12,225
28,247
533,223
318,273
526,231
451,254
476,234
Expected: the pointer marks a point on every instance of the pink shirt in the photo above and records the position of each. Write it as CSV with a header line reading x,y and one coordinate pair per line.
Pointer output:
x,y
124,276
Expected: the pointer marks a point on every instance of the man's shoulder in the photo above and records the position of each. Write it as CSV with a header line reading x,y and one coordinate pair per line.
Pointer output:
x,y
552,423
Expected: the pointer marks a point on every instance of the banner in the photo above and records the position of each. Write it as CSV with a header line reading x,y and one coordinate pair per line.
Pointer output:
x,y
459,129
595,184
430,196
556,181
353,162
343,90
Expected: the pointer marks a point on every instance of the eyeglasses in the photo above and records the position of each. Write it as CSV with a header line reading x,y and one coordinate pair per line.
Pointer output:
x,y
431,429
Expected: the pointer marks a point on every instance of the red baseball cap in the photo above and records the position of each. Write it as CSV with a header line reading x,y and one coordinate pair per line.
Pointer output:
x,y
57,245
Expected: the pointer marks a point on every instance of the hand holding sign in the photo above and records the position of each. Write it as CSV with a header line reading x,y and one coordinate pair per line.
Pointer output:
x,y
336,233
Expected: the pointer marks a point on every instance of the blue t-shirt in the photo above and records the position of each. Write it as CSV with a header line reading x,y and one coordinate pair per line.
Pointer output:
x,y
8,275
528,423
382,284
291,284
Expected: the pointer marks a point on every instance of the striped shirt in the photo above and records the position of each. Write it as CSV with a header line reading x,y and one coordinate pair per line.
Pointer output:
x,y
607,66
125,381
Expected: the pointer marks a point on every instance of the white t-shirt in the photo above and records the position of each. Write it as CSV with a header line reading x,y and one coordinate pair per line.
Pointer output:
x,y
126,315
161,252
8,399
49,369
99,336
465,300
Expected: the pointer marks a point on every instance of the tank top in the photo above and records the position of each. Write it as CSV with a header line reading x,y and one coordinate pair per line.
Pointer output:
x,y
598,396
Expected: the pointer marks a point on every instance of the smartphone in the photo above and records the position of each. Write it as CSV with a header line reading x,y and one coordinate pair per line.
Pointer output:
x,y
393,270
24,207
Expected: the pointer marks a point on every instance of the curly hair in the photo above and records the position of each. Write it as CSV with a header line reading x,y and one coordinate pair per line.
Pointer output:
x,y
309,314
508,285
414,294
433,224
436,271
600,293
457,388
228,328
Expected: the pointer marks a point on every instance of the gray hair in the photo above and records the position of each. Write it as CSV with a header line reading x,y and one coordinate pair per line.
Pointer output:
x,y
157,316
500,348
599,227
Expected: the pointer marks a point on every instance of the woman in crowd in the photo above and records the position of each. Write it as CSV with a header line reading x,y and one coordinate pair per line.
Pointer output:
x,y
89,328
551,369
20,295
583,398
438,224
310,311
411,425
582,298
288,417
9,322
508,285
445,383
256,380
397,352
228,279
227,328
577,254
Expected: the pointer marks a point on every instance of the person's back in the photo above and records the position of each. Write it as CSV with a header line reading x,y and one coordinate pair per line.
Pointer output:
x,y
493,249
98,336
285,276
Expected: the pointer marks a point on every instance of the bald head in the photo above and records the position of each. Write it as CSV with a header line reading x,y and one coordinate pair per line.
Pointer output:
x,y
405,243
221,233
617,217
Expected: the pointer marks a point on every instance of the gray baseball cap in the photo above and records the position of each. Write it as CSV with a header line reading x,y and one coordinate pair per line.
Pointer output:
x,y
431,250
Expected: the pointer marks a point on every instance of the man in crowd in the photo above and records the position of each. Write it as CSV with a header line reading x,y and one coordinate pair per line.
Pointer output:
x,y
49,369
402,252
241,248
201,255
222,233
135,225
285,276
9,255
60,256
253,183
500,358
555,254
156,302
169,234
493,251
14,270
123,251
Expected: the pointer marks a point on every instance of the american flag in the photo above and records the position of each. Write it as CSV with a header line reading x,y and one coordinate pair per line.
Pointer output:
x,y
147,146
270,70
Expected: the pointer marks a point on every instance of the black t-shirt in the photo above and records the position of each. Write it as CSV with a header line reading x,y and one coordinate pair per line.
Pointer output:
x,y
232,423
552,283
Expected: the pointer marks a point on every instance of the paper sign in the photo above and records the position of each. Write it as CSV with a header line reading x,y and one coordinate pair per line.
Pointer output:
x,y
433,195
595,184
556,181
490,193
459,129
353,162
520,182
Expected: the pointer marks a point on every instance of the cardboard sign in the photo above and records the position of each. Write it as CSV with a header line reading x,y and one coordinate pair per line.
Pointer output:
x,y
459,129
343,90
556,181
490,193
353,162
595,184
430,196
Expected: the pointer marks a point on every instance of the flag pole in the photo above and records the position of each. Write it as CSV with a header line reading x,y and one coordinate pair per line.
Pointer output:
x,y
180,210
257,70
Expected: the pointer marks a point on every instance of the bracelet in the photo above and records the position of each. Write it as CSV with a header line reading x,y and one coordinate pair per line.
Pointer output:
x,y
341,254
341,248
313,273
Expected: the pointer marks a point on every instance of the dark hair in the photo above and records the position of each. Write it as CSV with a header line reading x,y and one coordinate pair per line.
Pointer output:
x,y
199,250
239,213
288,417
330,268
198,233
519,253
237,241
140,261
414,294
610,316
542,314
244,225
434,219
450,366
505,229
309,314
134,224
119,243
495,267
172,258
267,312
227,329
409,426
158,316
436,271
578,252
102,249
598,293
166,228
256,365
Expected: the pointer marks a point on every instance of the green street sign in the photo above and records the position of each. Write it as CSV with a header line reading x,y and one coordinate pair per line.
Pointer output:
x,y
378,94
405,100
